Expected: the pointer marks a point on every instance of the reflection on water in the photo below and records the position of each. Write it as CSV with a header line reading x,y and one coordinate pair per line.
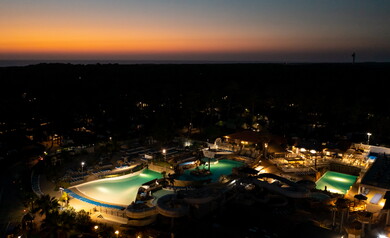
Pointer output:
x,y
119,191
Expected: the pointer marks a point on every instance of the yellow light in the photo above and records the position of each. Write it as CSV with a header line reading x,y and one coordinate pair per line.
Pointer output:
x,y
96,227
117,232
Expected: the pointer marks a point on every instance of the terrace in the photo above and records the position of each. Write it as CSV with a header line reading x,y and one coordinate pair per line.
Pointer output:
x,y
307,161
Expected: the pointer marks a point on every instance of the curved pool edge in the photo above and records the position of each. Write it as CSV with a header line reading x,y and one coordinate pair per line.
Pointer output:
x,y
109,179
93,202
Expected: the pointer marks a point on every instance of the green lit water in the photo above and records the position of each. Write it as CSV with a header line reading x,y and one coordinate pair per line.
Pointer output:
x,y
336,182
118,191
223,167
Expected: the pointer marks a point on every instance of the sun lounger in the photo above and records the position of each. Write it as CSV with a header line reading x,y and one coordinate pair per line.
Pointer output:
x,y
376,198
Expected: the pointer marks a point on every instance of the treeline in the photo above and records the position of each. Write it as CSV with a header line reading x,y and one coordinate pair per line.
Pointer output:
x,y
306,100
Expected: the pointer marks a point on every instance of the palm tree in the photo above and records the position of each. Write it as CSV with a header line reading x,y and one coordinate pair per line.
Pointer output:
x,y
171,180
27,222
83,222
59,224
46,204
342,207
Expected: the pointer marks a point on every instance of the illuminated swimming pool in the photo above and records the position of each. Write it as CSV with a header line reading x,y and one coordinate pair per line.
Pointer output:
x,y
336,182
223,167
121,191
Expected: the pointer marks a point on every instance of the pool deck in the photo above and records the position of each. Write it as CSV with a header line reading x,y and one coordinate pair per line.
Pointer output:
x,y
48,187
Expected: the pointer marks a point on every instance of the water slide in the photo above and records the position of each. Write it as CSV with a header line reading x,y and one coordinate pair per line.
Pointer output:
x,y
170,206
293,190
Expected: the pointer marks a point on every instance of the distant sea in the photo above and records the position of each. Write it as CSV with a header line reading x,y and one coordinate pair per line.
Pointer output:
x,y
10,63
7,63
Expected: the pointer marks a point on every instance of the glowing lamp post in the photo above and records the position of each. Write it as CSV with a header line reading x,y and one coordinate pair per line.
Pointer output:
x,y
265,149
96,228
117,233
164,151
82,167
368,137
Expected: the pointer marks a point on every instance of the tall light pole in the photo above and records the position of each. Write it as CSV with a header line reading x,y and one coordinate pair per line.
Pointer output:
x,y
164,151
117,233
368,137
82,167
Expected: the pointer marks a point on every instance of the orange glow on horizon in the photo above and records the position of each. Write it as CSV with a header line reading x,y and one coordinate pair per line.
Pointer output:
x,y
140,44
223,30
65,39
110,42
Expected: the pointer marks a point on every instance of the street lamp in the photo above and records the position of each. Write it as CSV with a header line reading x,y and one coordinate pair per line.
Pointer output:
x,y
368,137
265,149
96,227
117,233
82,166
164,151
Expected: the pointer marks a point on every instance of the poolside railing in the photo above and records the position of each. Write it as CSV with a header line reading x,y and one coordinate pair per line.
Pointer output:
x,y
35,184
114,212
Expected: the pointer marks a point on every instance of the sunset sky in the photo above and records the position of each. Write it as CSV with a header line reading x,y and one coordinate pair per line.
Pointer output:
x,y
228,30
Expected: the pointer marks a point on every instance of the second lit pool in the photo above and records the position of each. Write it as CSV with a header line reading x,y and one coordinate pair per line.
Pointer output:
x,y
222,167
336,182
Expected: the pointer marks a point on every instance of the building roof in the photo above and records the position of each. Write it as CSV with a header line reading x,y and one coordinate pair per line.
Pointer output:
x,y
378,175
249,136
387,203
276,143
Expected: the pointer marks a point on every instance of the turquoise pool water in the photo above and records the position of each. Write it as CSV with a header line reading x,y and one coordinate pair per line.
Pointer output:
x,y
223,167
119,191
336,182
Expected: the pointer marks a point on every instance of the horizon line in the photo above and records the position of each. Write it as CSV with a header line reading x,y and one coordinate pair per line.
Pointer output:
x,y
29,62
